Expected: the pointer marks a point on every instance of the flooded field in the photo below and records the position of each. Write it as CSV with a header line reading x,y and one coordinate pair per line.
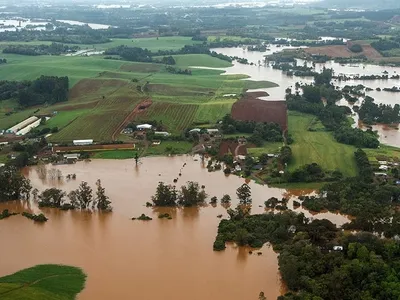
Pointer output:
x,y
262,71
158,259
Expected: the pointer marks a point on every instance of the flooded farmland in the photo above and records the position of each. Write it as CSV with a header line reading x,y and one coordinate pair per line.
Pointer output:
x,y
261,71
127,259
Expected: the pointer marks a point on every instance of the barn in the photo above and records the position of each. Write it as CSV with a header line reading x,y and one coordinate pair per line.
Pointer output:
x,y
250,108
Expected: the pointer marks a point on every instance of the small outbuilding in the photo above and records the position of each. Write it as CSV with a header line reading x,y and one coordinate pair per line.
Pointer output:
x,y
163,133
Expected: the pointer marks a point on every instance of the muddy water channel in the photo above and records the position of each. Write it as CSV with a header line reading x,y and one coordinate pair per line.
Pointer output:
x,y
158,259
262,71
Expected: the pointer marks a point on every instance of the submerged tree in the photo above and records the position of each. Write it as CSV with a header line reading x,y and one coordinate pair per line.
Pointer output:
x,y
13,185
191,195
244,194
82,197
166,195
52,197
136,157
103,201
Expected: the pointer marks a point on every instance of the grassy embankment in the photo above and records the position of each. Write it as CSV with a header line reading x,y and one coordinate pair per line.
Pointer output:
x,y
43,282
103,93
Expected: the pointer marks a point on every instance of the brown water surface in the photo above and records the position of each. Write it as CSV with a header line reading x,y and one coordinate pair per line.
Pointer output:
x,y
159,259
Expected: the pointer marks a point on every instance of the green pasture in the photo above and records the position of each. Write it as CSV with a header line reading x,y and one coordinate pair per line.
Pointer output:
x,y
169,147
43,282
319,147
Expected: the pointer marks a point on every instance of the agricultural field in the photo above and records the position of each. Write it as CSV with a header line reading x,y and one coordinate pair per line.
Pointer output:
x,y
319,147
174,117
43,282
104,93
343,51
113,102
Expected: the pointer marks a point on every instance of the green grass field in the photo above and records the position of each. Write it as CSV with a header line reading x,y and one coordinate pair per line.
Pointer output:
x,y
272,148
319,147
43,282
114,154
169,147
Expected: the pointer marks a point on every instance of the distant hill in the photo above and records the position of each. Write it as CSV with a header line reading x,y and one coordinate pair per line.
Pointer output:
x,y
362,4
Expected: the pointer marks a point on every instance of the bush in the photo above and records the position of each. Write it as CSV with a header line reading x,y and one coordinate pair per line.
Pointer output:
x,y
356,48
37,218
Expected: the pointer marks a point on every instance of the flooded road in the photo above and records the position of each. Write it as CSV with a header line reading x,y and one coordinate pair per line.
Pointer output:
x,y
159,259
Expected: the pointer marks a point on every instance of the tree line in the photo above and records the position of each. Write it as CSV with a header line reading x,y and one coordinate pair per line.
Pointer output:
x,y
14,186
34,50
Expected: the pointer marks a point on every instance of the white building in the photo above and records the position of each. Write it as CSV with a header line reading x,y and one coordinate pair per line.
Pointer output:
x,y
22,124
212,131
163,133
82,142
28,128
144,127
71,156
195,130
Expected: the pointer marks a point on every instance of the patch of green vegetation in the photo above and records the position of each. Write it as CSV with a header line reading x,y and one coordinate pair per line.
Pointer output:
x,y
319,147
3,158
63,118
22,67
200,60
213,111
114,154
43,282
272,148
384,152
13,119
169,147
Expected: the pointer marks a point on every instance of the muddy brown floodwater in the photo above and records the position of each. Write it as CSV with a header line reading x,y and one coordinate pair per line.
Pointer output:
x,y
158,259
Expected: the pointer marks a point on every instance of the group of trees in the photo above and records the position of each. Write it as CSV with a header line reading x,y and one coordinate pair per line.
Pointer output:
x,y
45,89
261,132
33,50
313,173
190,194
81,198
318,261
333,117
13,185
371,113
356,137
174,70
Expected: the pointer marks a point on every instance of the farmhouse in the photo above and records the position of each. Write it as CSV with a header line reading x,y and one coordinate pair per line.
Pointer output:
x,y
250,108
82,142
